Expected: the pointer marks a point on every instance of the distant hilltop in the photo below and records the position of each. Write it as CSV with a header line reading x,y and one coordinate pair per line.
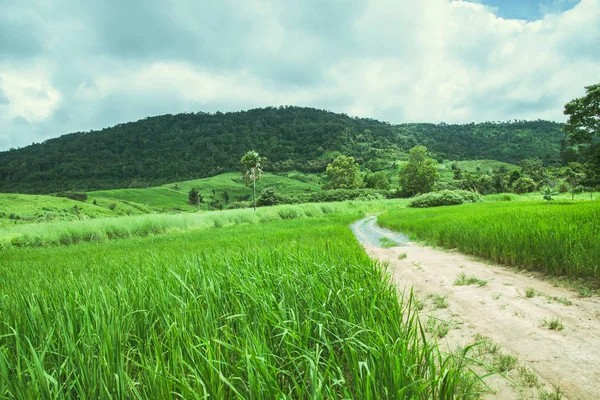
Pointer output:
x,y
168,148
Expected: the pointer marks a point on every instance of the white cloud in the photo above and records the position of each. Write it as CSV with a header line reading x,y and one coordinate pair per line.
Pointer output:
x,y
396,60
29,94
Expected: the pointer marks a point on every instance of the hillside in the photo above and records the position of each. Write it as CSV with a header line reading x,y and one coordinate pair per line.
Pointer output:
x,y
17,209
224,189
170,148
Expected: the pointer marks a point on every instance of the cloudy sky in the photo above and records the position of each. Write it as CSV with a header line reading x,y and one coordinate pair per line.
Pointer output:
x,y
75,65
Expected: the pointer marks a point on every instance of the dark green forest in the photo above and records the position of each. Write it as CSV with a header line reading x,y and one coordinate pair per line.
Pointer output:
x,y
169,148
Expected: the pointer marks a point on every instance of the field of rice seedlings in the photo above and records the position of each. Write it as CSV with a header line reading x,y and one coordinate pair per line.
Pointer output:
x,y
559,238
285,309
100,230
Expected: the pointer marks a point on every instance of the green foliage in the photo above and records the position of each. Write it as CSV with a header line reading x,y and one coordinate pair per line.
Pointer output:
x,y
445,198
271,197
556,238
548,192
343,173
584,116
194,197
419,174
326,196
377,180
298,308
174,148
532,168
252,171
524,185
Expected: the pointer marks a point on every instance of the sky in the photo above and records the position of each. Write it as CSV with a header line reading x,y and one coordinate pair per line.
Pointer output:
x,y
77,65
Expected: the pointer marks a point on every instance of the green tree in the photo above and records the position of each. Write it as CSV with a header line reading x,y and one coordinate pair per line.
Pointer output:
x,y
252,171
195,198
533,167
419,174
343,173
584,116
270,197
377,180
524,185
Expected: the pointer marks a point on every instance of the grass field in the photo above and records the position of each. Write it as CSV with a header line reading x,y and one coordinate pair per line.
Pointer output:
x,y
284,309
559,238
175,195
24,208
104,229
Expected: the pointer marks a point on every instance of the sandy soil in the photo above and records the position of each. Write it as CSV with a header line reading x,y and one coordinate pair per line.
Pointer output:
x,y
500,310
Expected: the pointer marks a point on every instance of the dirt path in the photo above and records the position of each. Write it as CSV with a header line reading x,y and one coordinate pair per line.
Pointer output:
x,y
500,310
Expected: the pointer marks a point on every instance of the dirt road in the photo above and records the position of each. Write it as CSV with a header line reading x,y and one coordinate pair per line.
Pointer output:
x,y
515,311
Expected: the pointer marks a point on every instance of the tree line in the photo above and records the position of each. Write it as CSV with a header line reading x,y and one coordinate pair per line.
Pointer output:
x,y
169,148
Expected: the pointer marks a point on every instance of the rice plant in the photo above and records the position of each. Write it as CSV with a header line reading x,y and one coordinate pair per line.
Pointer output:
x,y
289,309
556,238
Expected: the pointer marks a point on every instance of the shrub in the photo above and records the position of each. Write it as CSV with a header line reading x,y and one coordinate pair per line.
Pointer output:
x,y
563,187
445,198
326,196
112,206
271,197
234,205
524,185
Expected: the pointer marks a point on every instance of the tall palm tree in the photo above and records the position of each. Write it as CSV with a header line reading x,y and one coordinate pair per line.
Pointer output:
x,y
252,171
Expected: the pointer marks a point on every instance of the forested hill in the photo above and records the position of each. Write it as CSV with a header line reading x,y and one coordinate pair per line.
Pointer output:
x,y
170,148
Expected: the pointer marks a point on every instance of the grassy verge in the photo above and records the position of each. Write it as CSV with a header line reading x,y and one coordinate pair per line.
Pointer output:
x,y
560,239
288,309
103,229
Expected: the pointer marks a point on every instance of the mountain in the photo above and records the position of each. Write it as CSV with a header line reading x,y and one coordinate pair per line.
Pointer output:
x,y
170,148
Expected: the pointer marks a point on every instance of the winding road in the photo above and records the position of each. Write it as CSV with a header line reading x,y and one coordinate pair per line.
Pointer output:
x,y
568,359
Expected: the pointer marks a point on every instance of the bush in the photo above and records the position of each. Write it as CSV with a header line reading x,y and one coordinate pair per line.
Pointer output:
x,y
327,196
524,185
271,197
445,198
563,187
112,206
234,205
371,197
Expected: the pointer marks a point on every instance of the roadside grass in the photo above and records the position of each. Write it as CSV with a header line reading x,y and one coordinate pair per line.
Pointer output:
x,y
463,280
387,243
438,301
103,229
554,324
559,238
290,309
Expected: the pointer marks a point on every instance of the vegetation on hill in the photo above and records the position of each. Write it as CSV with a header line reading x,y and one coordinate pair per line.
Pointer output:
x,y
171,148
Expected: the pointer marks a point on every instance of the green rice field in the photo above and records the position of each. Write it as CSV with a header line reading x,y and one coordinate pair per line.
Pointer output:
x,y
289,308
559,238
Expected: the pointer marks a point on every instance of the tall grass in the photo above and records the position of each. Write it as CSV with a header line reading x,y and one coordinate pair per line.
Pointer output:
x,y
100,230
293,309
556,238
